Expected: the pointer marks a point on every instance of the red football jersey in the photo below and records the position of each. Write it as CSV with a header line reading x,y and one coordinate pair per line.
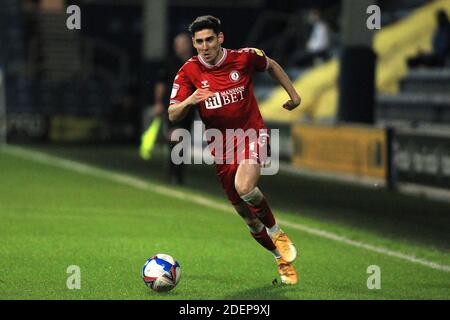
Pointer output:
x,y
234,105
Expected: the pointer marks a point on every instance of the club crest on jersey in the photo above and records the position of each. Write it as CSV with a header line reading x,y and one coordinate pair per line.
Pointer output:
x,y
234,75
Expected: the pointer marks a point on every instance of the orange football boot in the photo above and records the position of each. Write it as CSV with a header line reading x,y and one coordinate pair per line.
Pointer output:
x,y
287,272
285,246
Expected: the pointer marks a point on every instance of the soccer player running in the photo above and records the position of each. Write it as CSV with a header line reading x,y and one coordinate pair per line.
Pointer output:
x,y
218,83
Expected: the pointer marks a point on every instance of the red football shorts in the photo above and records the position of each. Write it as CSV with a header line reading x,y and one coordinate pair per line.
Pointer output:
x,y
227,171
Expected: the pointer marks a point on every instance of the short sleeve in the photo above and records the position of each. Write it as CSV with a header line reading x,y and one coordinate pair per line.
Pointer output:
x,y
257,59
182,87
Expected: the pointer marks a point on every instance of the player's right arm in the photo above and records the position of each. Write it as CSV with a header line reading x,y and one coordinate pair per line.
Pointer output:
x,y
184,95
178,111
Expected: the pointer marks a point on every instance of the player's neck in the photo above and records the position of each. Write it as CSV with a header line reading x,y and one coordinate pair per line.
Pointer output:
x,y
219,56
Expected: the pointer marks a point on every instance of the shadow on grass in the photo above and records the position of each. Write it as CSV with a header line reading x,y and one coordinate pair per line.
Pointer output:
x,y
169,295
266,292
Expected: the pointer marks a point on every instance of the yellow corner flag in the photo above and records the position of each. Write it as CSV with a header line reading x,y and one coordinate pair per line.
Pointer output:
x,y
148,139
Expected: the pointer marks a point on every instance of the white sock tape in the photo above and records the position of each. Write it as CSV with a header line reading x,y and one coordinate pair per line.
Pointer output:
x,y
254,197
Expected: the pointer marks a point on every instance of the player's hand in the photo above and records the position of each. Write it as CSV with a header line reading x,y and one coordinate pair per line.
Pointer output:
x,y
292,103
200,95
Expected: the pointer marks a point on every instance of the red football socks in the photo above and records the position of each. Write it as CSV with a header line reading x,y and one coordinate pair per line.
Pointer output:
x,y
263,238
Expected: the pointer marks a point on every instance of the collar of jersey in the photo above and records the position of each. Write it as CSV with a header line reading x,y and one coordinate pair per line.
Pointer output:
x,y
218,62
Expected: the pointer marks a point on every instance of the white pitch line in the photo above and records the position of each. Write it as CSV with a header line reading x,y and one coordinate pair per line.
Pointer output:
x,y
182,195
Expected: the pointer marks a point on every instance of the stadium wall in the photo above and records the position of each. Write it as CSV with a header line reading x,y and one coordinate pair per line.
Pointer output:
x,y
395,157
422,158
358,150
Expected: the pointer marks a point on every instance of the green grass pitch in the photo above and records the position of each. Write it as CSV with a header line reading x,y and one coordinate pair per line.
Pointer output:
x,y
52,217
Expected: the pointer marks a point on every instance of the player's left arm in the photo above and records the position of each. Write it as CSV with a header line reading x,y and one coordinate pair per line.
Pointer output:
x,y
278,73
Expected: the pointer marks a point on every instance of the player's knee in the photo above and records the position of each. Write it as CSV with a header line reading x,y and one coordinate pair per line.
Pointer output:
x,y
244,188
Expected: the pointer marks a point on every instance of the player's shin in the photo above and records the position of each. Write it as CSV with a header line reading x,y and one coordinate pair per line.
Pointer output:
x,y
259,206
257,229
259,233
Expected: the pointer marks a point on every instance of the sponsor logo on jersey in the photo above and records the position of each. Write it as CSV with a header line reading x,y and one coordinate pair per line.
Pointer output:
x,y
226,97
213,102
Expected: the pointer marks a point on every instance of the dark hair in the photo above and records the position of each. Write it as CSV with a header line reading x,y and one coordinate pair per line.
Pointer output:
x,y
205,22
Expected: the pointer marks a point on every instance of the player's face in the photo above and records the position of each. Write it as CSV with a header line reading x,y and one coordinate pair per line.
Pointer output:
x,y
208,45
